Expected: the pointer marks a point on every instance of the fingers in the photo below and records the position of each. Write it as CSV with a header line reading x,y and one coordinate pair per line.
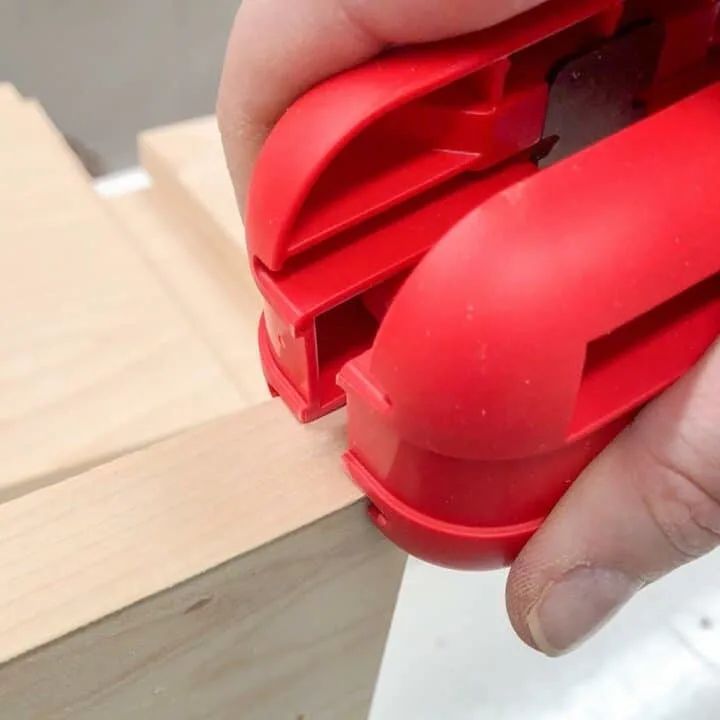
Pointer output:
x,y
280,49
650,503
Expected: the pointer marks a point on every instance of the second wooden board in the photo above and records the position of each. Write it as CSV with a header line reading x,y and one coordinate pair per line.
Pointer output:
x,y
95,360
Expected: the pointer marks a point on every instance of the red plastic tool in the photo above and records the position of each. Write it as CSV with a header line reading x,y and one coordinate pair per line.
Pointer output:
x,y
494,325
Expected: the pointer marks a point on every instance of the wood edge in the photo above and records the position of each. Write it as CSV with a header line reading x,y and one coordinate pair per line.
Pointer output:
x,y
29,113
156,517
200,284
9,93
178,199
308,614
179,134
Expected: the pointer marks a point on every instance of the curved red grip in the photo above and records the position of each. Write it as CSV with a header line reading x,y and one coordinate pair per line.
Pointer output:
x,y
494,324
527,338
518,291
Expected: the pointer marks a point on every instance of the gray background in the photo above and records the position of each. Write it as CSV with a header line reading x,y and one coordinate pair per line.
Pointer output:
x,y
106,69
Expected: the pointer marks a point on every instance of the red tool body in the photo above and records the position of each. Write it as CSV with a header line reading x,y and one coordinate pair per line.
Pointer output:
x,y
494,323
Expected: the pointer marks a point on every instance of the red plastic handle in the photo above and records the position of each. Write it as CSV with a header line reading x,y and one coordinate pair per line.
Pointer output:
x,y
494,325
528,337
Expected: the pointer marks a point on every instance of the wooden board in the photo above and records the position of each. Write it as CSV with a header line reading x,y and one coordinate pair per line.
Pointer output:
x,y
229,571
187,163
190,178
226,573
204,287
94,360
8,94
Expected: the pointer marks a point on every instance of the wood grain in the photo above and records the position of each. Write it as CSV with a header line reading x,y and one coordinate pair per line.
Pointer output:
x,y
225,573
187,163
190,178
202,285
228,572
95,360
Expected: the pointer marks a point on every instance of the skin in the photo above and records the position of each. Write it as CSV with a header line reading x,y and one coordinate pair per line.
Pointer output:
x,y
651,502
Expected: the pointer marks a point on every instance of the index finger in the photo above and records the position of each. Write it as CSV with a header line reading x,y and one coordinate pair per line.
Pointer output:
x,y
278,50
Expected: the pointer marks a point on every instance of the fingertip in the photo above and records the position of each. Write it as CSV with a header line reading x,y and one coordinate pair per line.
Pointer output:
x,y
563,612
536,568
517,591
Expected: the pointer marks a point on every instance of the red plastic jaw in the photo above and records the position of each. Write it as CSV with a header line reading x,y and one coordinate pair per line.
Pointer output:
x,y
469,417
494,325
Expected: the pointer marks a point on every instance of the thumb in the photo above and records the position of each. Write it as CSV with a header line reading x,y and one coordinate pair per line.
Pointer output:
x,y
649,504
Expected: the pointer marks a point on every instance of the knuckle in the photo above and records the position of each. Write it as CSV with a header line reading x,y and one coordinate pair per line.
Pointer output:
x,y
700,444
685,512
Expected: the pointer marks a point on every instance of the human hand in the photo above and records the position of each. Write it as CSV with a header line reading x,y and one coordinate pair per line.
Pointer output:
x,y
651,502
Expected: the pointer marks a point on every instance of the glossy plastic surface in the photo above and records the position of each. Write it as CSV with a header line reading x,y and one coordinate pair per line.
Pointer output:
x,y
495,326
470,416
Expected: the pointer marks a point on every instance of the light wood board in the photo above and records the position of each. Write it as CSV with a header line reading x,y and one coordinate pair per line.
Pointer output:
x,y
8,94
228,572
187,163
190,178
95,360
288,593
226,316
